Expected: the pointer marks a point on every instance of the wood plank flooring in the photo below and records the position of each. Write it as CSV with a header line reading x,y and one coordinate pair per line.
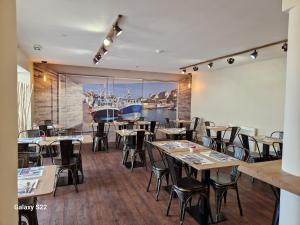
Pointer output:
x,y
112,195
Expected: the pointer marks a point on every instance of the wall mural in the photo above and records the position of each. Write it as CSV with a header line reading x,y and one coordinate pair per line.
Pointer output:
x,y
113,99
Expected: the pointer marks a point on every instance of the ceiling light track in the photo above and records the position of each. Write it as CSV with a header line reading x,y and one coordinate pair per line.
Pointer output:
x,y
230,58
114,32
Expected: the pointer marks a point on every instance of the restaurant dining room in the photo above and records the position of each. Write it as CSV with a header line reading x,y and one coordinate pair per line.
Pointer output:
x,y
154,112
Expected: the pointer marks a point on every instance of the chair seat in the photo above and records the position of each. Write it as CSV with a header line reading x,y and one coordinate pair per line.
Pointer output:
x,y
189,184
58,162
221,180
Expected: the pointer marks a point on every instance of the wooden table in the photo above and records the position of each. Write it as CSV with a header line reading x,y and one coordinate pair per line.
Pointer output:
x,y
125,134
218,130
267,142
271,173
181,122
187,146
45,141
172,131
45,186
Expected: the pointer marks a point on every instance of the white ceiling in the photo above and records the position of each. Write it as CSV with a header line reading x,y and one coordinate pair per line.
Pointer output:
x,y
71,31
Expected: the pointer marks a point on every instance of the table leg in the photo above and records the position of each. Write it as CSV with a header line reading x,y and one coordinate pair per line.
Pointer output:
x,y
266,150
276,191
219,138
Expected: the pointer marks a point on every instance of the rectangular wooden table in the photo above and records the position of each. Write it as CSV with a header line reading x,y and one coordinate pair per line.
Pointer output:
x,y
218,130
267,142
45,141
270,172
45,186
178,149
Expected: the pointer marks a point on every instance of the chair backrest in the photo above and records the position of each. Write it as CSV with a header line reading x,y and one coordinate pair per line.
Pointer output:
x,y
150,147
152,126
245,140
66,151
172,170
189,135
23,160
277,134
48,122
195,122
233,133
23,147
239,153
140,137
100,129
45,129
208,124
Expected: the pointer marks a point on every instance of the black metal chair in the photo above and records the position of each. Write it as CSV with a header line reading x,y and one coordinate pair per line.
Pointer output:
x,y
277,146
194,123
31,154
159,168
208,124
221,183
152,136
233,131
185,188
66,160
135,146
45,129
246,141
100,136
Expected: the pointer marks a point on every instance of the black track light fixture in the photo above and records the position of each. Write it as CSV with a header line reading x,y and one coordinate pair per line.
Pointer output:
x,y
183,71
230,60
195,68
254,54
104,50
210,65
285,47
117,30
95,61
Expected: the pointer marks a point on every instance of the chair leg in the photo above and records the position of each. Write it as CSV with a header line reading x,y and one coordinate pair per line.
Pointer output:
x,y
149,181
158,185
73,171
132,161
182,206
239,201
167,178
170,200
225,197
57,177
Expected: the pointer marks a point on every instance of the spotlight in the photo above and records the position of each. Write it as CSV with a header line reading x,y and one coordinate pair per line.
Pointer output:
x,y
285,47
107,41
195,68
104,50
118,30
210,65
183,71
230,60
254,54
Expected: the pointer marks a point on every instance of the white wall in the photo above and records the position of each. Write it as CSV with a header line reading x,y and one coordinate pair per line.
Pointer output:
x,y
249,95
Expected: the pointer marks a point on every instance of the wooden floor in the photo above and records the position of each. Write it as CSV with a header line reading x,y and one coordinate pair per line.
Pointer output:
x,y
112,195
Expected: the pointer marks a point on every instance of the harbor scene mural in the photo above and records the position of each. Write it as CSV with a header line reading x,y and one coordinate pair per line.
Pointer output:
x,y
129,100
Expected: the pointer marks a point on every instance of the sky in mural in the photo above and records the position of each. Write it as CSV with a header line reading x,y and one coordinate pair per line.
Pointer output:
x,y
136,89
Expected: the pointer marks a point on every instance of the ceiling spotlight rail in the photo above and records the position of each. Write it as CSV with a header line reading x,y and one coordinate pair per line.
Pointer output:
x,y
114,31
230,58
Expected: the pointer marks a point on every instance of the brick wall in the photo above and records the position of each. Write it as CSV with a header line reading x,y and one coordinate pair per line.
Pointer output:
x,y
57,98
184,98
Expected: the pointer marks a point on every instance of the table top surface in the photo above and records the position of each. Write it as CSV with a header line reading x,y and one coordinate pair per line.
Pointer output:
x,y
271,173
45,184
183,149
130,132
53,126
42,141
267,140
182,121
173,131
216,128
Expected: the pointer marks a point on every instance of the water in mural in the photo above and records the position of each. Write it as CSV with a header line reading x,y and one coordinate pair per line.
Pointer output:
x,y
130,100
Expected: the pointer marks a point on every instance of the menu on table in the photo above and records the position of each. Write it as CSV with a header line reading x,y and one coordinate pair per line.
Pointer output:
x,y
195,159
28,179
177,144
218,156
71,137
30,172
29,140
27,186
